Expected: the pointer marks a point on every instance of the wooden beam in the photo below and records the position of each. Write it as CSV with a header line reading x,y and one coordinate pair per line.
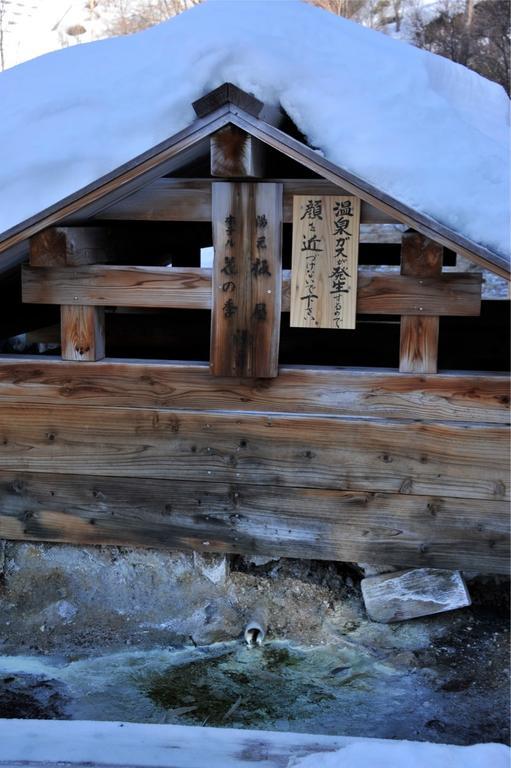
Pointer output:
x,y
268,520
82,332
421,258
227,93
190,288
378,393
449,459
98,285
247,280
190,200
418,344
72,246
236,154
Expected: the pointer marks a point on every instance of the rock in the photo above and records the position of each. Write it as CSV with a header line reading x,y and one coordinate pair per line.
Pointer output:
x,y
409,594
213,567
31,696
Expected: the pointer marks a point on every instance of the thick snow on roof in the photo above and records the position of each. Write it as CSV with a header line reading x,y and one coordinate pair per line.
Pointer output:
x,y
429,132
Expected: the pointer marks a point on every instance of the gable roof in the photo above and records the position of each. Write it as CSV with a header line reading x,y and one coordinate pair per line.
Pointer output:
x,y
162,160
478,209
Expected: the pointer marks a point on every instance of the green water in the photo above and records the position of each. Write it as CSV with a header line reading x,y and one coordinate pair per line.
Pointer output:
x,y
336,688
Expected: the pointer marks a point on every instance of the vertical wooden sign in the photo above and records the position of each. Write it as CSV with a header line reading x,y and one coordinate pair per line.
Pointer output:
x,y
325,261
247,279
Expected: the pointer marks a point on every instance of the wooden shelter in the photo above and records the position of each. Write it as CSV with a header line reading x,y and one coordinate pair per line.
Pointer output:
x,y
291,441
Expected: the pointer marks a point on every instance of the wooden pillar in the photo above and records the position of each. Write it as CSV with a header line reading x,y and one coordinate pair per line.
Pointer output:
x,y
72,246
247,279
82,332
234,153
418,349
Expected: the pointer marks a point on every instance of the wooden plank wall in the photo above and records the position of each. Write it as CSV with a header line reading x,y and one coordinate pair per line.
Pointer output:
x,y
333,464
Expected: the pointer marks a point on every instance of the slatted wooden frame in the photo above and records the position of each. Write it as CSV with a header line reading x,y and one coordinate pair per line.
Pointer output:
x,y
364,465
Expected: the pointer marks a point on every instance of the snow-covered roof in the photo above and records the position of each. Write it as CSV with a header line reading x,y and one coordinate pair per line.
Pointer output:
x,y
429,133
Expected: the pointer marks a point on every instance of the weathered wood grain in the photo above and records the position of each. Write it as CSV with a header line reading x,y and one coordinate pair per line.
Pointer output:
x,y
418,348
82,332
190,200
404,595
227,93
236,154
72,246
418,344
190,288
281,522
176,287
247,280
325,261
388,294
444,459
378,393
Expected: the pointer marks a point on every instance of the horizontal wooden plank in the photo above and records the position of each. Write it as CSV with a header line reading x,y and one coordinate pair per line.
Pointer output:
x,y
275,521
190,288
377,393
380,294
444,459
190,200
74,246
176,287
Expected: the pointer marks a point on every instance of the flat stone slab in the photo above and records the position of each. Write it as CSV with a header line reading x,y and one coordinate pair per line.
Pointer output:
x,y
413,593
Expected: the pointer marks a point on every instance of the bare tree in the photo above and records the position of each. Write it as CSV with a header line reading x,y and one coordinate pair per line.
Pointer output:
x,y
476,34
347,8
131,15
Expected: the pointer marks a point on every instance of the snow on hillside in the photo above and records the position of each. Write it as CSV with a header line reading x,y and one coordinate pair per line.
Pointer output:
x,y
425,130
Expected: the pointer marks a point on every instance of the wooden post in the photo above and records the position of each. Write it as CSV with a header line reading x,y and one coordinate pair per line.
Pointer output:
x,y
82,331
72,246
418,349
247,279
234,153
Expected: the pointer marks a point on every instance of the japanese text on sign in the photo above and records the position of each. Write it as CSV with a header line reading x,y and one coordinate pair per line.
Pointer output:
x,y
325,259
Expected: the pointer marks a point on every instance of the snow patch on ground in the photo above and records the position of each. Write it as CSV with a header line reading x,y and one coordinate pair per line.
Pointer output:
x,y
405,754
126,744
427,131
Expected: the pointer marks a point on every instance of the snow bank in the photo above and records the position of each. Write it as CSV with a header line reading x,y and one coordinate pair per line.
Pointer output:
x,y
408,754
428,132
158,746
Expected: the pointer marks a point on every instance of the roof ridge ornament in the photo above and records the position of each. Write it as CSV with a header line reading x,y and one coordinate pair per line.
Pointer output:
x,y
227,93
